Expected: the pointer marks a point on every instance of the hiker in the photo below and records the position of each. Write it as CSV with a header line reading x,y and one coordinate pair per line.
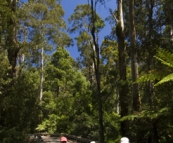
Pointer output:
x,y
124,140
63,140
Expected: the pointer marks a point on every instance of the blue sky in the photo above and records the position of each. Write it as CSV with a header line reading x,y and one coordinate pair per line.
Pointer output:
x,y
103,11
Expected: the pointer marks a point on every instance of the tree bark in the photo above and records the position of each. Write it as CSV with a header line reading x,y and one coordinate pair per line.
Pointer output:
x,y
123,88
133,56
41,75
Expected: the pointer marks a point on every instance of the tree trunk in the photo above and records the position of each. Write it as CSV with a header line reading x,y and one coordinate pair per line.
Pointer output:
x,y
170,11
96,60
149,63
91,72
101,132
150,85
41,76
11,41
123,88
155,132
134,64
133,56
150,89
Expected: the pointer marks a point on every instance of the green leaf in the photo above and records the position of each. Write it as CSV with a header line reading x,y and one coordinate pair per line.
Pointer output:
x,y
165,62
165,57
165,79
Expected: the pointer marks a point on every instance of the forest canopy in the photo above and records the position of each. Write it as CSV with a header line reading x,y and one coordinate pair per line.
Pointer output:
x,y
119,86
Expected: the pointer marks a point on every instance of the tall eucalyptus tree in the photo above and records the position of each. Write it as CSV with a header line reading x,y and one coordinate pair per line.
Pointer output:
x,y
45,24
123,88
133,55
88,23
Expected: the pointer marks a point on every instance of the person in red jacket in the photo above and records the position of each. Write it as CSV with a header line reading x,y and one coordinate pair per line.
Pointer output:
x,y
63,140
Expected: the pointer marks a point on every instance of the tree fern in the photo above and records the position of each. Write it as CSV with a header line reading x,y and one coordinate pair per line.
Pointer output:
x,y
147,114
166,58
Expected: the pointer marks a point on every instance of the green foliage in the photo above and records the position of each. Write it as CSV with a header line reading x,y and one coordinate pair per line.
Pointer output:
x,y
48,124
109,52
166,58
69,99
65,87
112,126
81,20
151,76
43,27
5,14
19,108
13,135
5,67
165,79
148,114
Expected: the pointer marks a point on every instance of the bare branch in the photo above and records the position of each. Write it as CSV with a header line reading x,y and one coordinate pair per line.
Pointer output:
x,y
110,10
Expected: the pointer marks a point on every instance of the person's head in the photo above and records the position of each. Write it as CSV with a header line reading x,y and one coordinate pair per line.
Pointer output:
x,y
63,139
124,140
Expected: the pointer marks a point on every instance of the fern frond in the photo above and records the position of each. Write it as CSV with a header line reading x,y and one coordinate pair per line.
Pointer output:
x,y
165,62
165,79
148,114
129,117
153,75
165,57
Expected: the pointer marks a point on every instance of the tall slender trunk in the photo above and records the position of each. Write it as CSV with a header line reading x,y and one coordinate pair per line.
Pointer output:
x,y
123,88
41,75
149,63
133,56
97,72
134,63
153,137
150,6
91,71
170,11
99,96
11,41
96,60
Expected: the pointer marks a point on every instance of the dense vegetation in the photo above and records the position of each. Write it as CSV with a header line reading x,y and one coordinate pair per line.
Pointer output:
x,y
120,87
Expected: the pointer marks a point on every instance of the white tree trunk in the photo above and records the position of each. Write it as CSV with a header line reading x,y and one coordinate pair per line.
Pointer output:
x,y
41,75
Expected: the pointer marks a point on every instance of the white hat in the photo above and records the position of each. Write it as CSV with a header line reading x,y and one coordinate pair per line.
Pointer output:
x,y
92,142
124,140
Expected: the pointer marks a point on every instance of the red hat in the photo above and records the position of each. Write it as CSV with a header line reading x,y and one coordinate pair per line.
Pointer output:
x,y
63,139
